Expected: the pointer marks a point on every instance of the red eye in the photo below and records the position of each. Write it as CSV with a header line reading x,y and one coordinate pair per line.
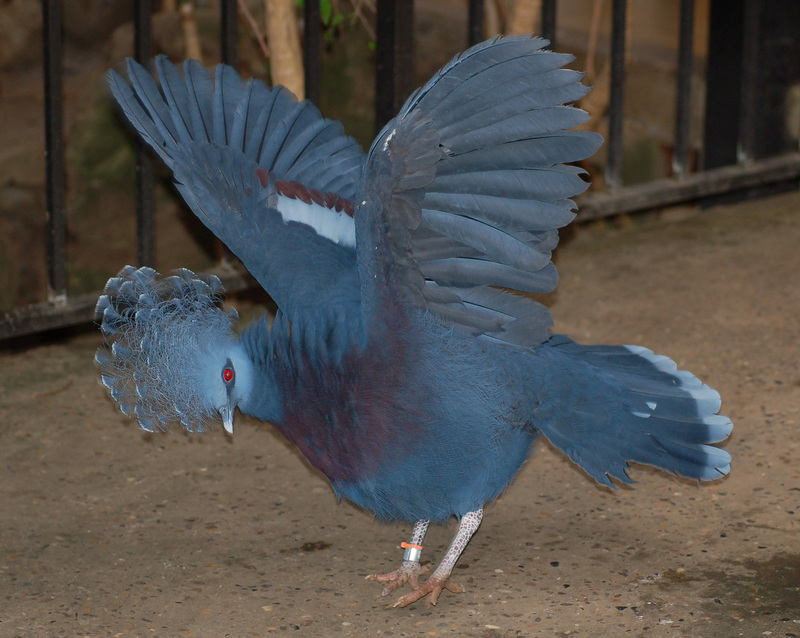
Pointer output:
x,y
227,375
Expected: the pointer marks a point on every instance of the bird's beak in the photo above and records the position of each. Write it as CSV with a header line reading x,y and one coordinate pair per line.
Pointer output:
x,y
227,417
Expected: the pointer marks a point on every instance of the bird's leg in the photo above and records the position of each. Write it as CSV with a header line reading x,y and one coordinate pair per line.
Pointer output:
x,y
440,579
410,570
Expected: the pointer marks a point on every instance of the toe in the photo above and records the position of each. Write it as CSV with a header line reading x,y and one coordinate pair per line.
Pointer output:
x,y
408,572
392,586
433,587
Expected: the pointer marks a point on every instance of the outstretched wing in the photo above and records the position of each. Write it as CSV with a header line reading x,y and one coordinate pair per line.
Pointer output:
x,y
267,174
465,190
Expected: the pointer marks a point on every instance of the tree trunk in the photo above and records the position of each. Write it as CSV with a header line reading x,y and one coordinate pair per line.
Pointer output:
x,y
594,36
496,17
525,16
597,102
191,40
283,39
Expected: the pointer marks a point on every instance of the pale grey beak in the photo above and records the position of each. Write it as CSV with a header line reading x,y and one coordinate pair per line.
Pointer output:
x,y
226,412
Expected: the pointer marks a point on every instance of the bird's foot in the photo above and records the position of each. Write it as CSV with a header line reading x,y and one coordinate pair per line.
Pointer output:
x,y
433,587
408,572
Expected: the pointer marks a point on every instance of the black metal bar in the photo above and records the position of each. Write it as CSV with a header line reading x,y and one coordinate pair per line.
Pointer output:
x,y
746,148
312,51
549,22
777,78
145,198
143,32
54,152
683,108
394,70
229,32
616,100
723,83
475,22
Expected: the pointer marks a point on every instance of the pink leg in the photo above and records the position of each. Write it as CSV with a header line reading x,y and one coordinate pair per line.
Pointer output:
x,y
440,579
410,570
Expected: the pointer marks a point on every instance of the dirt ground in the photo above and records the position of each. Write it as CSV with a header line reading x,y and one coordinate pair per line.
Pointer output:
x,y
107,531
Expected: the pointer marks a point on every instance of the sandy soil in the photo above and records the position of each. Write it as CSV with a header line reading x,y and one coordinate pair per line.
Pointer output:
x,y
106,531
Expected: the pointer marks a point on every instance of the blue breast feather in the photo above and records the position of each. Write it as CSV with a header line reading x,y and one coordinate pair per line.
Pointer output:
x,y
391,432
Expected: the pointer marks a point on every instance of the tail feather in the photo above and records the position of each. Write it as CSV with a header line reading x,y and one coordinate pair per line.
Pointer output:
x,y
630,405
693,460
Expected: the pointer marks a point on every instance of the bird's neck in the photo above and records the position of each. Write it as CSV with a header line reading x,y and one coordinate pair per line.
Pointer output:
x,y
293,354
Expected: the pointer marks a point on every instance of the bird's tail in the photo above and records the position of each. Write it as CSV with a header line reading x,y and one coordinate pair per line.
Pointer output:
x,y
625,404
158,334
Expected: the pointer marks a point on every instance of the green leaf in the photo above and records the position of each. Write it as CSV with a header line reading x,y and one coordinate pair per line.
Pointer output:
x,y
325,11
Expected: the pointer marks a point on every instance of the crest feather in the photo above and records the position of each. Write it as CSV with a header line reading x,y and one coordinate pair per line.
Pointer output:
x,y
159,334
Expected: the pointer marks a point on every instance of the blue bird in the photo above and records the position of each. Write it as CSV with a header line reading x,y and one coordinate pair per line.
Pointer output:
x,y
400,362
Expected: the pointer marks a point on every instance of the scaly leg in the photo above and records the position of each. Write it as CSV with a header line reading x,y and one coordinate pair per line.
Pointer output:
x,y
410,570
440,579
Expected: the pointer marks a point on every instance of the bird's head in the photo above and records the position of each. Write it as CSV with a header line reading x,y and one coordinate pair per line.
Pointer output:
x,y
171,353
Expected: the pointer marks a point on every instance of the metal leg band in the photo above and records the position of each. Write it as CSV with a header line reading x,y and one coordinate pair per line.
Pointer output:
x,y
412,553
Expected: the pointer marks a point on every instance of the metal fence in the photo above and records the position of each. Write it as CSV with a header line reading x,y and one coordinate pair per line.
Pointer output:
x,y
746,169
